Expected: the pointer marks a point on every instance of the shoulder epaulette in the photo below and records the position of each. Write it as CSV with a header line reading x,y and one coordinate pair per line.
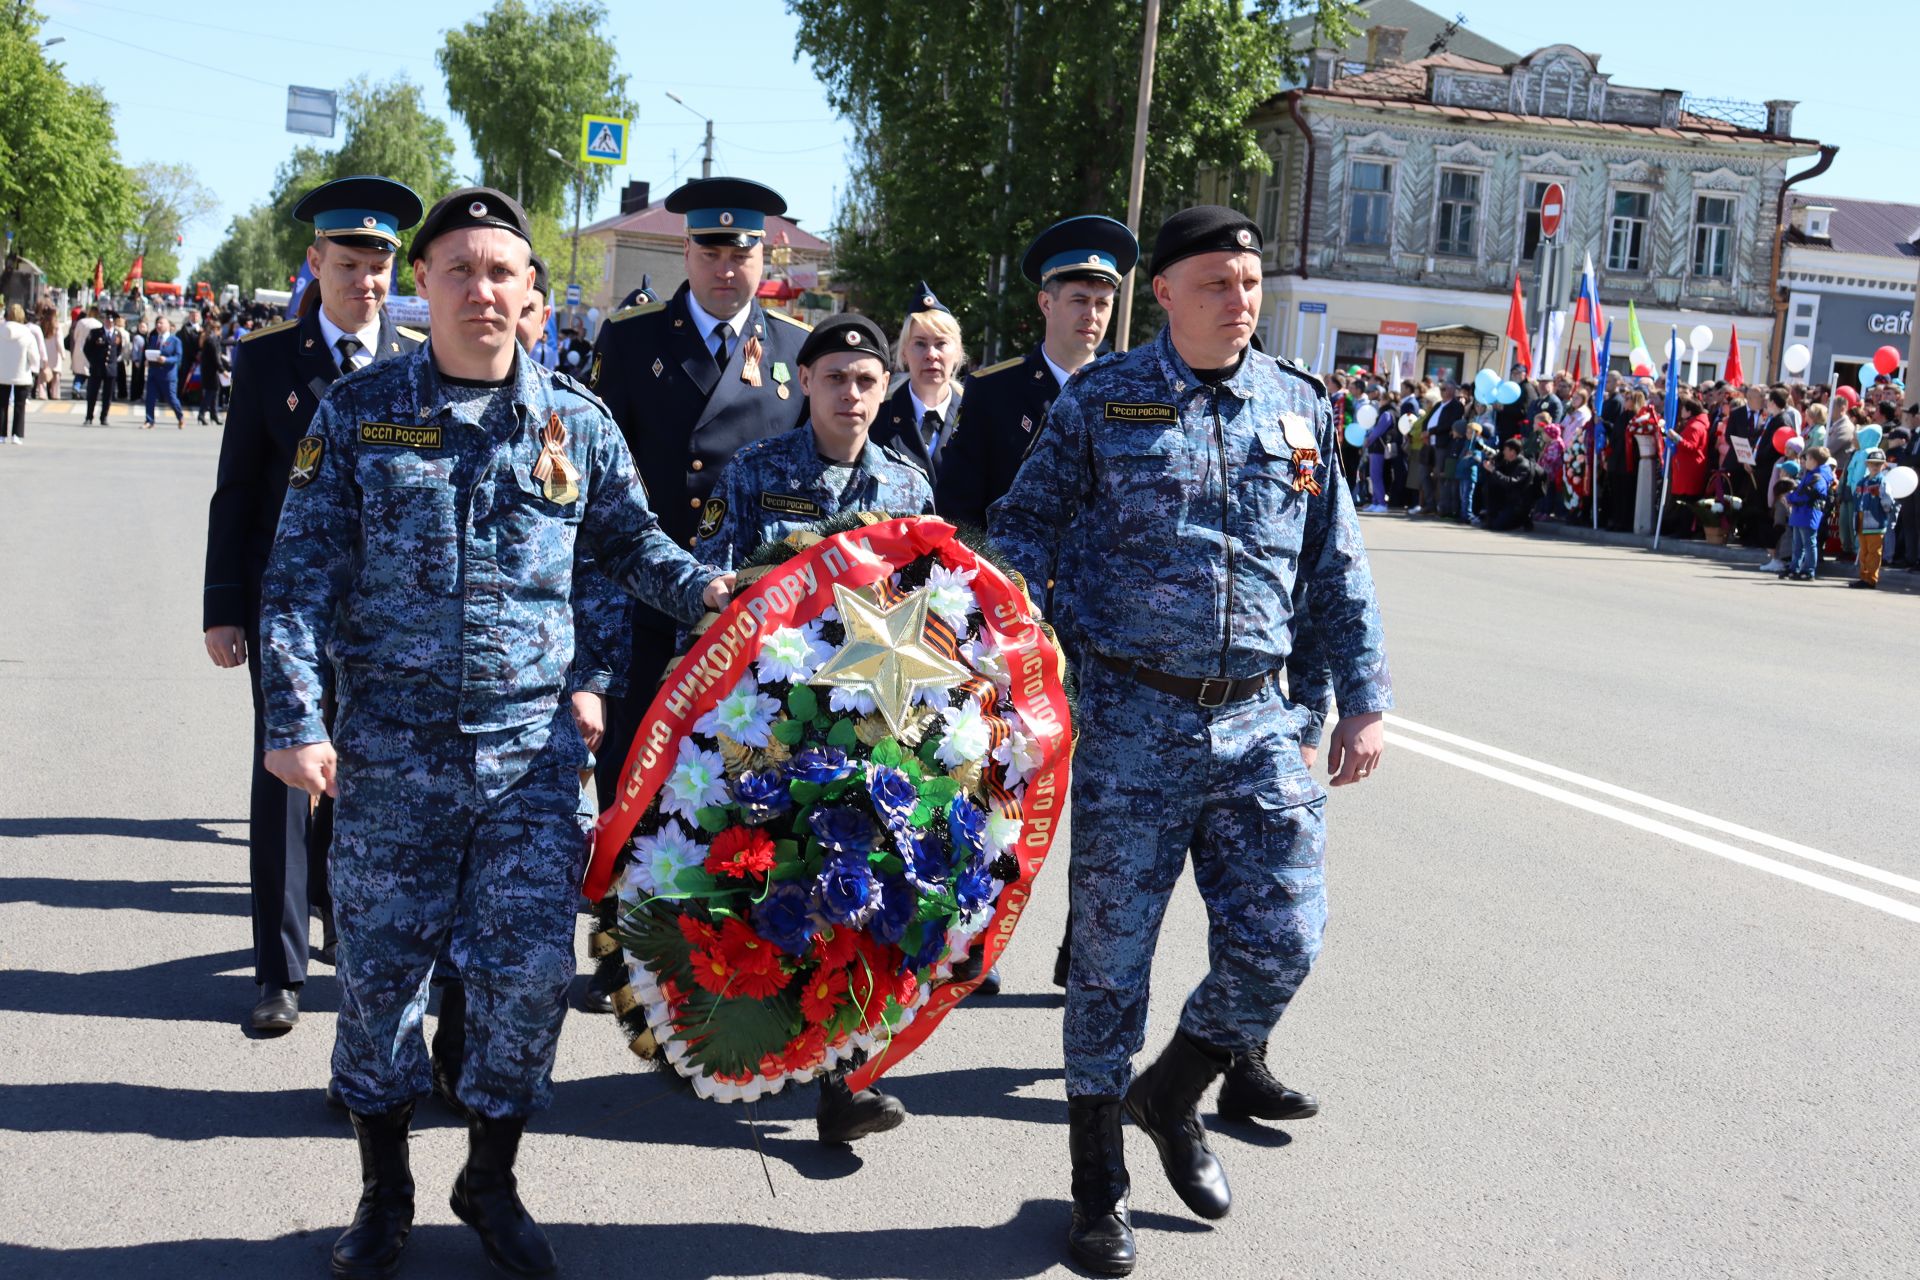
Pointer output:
x,y
797,323
996,368
405,332
272,328
637,309
567,382
1300,372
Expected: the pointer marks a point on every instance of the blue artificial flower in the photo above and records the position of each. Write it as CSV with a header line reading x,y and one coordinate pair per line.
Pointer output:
x,y
843,829
847,892
926,859
974,888
931,945
820,765
894,795
967,825
762,796
785,918
897,907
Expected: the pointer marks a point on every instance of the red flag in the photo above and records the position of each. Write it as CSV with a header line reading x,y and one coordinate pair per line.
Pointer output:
x,y
135,275
99,277
1734,373
1517,329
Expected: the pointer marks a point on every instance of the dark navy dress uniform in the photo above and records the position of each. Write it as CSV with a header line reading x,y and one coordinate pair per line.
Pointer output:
x,y
904,429
1004,408
280,374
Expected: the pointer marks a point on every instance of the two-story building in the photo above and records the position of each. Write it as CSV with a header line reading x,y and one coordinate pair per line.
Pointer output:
x,y
1849,273
1405,196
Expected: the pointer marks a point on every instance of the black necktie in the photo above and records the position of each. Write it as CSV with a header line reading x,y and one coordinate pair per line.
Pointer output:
x,y
721,333
348,347
930,433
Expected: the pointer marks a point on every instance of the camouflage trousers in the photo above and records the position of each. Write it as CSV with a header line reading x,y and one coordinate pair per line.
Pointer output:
x,y
1157,779
457,847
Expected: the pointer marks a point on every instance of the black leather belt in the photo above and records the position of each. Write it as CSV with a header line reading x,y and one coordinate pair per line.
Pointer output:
x,y
1211,692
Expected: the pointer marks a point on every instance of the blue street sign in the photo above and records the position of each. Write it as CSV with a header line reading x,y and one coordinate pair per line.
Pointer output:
x,y
1314,308
573,295
603,140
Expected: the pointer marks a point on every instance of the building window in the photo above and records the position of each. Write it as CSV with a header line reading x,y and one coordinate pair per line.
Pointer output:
x,y
1713,236
1627,231
1457,229
1369,203
1530,219
1350,349
1270,207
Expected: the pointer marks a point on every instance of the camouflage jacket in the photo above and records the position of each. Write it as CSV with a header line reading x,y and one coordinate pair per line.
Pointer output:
x,y
419,556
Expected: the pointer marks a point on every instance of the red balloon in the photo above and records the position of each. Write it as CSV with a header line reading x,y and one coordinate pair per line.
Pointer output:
x,y
1848,394
1886,360
1780,437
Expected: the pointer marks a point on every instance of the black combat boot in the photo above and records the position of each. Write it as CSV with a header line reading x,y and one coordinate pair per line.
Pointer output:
x,y
845,1115
1250,1092
1063,958
1101,1237
369,1249
450,1046
1165,1103
486,1198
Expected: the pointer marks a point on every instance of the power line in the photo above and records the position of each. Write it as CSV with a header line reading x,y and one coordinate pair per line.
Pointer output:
x,y
258,35
155,53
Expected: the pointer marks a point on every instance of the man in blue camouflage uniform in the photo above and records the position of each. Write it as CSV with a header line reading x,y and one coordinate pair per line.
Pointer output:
x,y
425,567
1181,496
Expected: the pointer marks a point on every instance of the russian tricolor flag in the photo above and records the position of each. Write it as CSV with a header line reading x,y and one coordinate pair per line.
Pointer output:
x,y
1586,306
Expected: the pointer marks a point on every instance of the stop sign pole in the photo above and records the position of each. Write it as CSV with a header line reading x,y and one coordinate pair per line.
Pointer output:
x,y
1553,209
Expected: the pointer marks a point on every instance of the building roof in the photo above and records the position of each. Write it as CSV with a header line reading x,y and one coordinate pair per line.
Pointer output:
x,y
1878,228
1423,27
654,220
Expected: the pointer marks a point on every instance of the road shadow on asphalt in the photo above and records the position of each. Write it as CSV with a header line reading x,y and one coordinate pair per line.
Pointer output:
x,y
178,830
176,897
193,989
1027,1244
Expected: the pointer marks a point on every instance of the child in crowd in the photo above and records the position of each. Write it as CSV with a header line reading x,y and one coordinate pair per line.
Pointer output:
x,y
1552,459
1808,503
1786,474
1476,448
1875,511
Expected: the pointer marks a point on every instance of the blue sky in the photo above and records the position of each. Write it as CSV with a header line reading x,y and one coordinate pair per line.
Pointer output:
x,y
205,84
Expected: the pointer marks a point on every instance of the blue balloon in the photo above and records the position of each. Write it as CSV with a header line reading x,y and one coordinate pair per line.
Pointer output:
x,y
1484,384
1356,435
1867,374
1507,393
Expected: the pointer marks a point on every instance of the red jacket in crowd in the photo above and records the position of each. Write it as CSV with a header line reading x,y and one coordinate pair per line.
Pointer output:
x,y
1690,456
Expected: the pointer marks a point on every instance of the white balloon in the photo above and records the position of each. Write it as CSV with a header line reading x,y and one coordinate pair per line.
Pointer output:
x,y
1639,358
1366,415
1679,351
1796,358
1701,338
1901,482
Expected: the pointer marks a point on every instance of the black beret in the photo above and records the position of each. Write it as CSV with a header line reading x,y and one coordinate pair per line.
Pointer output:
x,y
1205,228
540,282
846,331
471,207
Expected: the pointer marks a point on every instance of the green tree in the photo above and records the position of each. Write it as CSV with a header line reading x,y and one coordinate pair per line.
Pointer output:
x,y
167,200
521,78
63,192
1038,101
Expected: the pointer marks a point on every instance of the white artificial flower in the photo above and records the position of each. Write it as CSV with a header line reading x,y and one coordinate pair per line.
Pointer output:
x,y
1020,754
847,700
792,654
967,737
984,654
1002,833
745,715
697,781
950,595
658,860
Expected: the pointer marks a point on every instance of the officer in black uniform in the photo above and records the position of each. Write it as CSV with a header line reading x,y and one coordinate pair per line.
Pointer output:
x,y
279,376
919,418
690,380
1078,265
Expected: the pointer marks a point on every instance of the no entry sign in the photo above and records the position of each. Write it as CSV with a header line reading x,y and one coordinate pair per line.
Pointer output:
x,y
1552,205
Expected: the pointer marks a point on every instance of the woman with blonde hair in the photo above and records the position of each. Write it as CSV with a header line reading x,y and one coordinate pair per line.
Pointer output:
x,y
918,419
21,352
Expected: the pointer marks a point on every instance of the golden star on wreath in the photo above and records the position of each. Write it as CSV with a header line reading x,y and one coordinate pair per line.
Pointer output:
x,y
886,655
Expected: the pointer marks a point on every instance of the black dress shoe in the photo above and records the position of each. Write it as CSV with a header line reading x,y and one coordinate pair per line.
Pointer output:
x,y
487,1198
278,1010
370,1247
1100,1237
1250,1092
989,983
846,1116
594,1000
1165,1103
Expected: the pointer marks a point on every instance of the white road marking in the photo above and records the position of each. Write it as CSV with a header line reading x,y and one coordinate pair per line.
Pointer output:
x,y
1786,871
1806,853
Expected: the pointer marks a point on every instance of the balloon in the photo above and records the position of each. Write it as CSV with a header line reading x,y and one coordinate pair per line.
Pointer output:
x,y
1405,423
1886,360
1796,358
1848,394
1794,442
1867,375
1780,437
1901,482
1485,383
1642,362
1507,393
1356,434
1868,437
1364,417
1701,338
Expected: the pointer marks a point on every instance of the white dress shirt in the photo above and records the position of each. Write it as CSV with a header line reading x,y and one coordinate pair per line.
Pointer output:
x,y
368,338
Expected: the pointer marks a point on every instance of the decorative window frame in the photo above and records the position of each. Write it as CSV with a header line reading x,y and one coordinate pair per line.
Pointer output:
x,y
1651,190
1482,173
1736,220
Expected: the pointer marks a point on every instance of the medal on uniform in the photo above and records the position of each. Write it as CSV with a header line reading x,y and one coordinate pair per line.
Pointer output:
x,y
750,362
780,378
559,478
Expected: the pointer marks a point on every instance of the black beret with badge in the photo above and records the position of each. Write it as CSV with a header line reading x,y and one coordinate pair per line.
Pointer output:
x,y
1205,228
1089,247
541,284
730,212
844,332
364,211
471,207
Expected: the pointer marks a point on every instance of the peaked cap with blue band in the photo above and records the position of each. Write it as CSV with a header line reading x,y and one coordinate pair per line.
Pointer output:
x,y
364,210
726,211
1088,246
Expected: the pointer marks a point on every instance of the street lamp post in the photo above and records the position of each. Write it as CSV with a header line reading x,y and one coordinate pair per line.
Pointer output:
x,y
573,268
706,155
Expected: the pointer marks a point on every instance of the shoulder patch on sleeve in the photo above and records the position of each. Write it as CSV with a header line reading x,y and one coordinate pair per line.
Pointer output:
x,y
306,461
405,332
712,516
272,328
638,309
995,368
799,324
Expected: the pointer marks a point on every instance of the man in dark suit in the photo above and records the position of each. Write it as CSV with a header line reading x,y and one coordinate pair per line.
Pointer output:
x,y
920,416
690,380
281,374
1078,265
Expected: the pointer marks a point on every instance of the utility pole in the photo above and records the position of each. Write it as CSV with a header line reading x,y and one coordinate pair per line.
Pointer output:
x,y
573,268
706,155
1137,183
997,268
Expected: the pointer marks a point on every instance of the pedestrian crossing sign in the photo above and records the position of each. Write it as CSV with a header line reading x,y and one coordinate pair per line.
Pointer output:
x,y
603,140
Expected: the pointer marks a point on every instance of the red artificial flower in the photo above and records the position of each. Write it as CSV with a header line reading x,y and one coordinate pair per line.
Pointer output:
x,y
711,970
773,1066
807,1050
756,963
741,852
823,994
760,986
699,934
835,947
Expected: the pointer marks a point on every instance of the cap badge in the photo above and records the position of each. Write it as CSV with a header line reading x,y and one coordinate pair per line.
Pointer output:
x,y
726,218
477,209
853,337
1094,258
926,300
369,222
1244,236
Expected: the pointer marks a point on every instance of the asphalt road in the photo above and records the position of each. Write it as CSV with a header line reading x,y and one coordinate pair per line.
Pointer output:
x,y
1557,1030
